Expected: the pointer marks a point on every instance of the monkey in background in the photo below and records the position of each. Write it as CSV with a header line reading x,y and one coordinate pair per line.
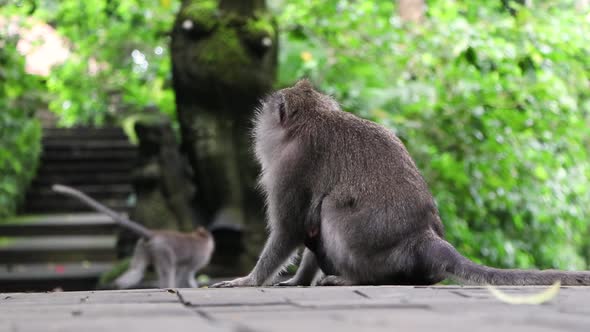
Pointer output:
x,y
176,256
349,191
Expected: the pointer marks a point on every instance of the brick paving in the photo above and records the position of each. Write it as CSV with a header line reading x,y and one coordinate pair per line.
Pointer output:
x,y
300,309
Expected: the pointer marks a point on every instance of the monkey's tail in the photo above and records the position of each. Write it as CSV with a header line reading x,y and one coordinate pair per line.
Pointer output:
x,y
121,220
454,266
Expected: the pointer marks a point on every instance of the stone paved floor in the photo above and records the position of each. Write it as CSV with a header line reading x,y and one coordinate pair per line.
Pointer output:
x,y
323,309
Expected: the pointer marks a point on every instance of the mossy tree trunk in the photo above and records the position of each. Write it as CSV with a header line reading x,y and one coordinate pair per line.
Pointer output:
x,y
224,57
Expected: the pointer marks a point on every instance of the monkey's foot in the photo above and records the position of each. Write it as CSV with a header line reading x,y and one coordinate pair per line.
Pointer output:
x,y
239,282
334,281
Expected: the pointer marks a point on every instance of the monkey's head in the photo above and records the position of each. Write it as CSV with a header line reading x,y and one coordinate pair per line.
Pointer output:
x,y
285,112
292,106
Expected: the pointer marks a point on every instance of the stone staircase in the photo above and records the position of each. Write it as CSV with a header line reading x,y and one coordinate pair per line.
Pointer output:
x,y
97,161
45,252
57,242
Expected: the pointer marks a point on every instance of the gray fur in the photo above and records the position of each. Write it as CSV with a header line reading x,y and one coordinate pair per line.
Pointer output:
x,y
176,256
137,266
348,189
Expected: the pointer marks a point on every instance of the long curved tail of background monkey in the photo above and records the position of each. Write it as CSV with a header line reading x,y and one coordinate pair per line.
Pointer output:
x,y
121,220
444,256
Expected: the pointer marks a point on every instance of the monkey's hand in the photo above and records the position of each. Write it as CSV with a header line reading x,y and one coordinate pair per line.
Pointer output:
x,y
291,283
239,282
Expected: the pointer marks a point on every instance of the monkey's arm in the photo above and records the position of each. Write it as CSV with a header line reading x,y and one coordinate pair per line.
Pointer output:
x,y
287,232
277,250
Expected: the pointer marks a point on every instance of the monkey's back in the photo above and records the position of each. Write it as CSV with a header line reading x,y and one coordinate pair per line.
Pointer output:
x,y
188,246
365,166
375,202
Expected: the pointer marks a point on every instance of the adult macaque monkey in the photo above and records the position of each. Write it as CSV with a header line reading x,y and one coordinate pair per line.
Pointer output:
x,y
175,256
348,189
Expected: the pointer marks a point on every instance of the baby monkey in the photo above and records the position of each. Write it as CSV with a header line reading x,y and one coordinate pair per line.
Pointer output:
x,y
176,256
349,191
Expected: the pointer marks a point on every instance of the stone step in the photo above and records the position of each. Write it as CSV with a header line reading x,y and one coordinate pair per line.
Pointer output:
x,y
59,143
97,161
41,199
68,251
51,271
94,190
46,179
58,249
47,277
95,155
86,166
70,205
81,133
58,224
71,250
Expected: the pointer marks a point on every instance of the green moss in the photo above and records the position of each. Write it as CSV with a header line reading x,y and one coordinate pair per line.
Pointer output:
x,y
5,241
204,14
22,219
260,24
197,8
222,52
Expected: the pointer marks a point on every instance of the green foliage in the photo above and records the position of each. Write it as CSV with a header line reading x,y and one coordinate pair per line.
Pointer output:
x,y
495,109
119,61
128,124
109,277
20,133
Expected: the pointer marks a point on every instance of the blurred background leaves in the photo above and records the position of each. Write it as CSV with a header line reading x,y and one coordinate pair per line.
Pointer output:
x,y
493,104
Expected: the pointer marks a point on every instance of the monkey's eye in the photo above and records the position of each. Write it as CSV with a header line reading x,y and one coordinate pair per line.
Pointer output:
x,y
282,112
